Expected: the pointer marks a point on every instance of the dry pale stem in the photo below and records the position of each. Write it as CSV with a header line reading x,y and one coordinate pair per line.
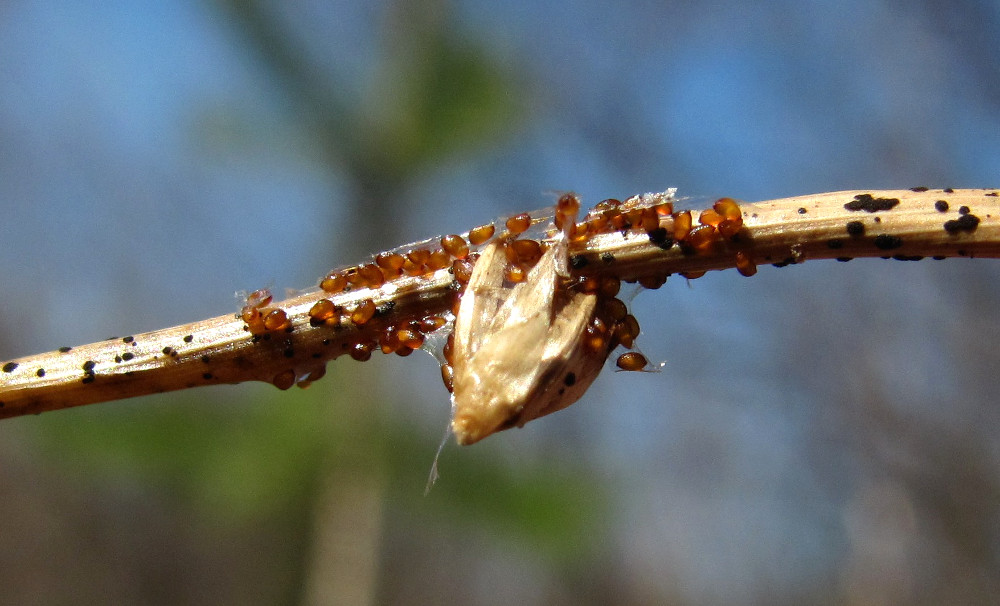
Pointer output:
x,y
221,350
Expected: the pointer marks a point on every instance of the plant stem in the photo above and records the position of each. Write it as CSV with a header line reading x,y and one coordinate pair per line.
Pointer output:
x,y
933,223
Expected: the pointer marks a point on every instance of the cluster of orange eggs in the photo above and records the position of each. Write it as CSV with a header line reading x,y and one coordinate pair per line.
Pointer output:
x,y
723,222
259,317
524,244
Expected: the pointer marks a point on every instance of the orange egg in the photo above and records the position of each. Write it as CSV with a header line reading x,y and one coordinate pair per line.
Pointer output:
x,y
632,360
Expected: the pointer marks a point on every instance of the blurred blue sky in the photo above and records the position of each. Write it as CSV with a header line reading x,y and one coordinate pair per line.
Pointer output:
x,y
151,166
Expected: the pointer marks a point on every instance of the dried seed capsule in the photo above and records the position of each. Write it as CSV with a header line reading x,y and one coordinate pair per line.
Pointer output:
x,y
744,264
632,360
363,312
518,223
481,234
518,353
455,246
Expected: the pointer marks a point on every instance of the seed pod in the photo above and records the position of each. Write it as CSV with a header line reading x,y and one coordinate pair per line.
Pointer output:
x,y
520,352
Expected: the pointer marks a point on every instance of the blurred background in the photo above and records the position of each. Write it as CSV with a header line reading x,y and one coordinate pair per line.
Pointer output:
x,y
826,433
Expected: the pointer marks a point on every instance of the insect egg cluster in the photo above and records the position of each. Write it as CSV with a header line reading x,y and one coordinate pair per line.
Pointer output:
x,y
523,239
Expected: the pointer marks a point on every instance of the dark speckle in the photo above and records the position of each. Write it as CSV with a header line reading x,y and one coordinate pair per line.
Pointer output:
x,y
948,190
289,353
963,210
887,242
855,228
878,219
88,378
9,366
128,339
118,359
207,376
65,349
908,257
608,258
40,373
127,356
835,243
89,365
870,204
189,338
206,359
169,351
570,379
381,310
660,238
844,259
918,189
579,261
802,210
941,206
994,194
967,223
